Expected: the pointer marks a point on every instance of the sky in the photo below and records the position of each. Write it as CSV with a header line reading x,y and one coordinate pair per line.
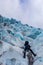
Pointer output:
x,y
27,11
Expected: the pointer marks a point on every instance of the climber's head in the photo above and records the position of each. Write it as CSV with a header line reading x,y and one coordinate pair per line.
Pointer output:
x,y
26,43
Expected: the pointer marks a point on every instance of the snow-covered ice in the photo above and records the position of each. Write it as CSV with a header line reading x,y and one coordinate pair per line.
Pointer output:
x,y
13,35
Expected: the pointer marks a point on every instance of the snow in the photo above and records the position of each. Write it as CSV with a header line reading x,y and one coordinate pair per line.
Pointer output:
x,y
11,52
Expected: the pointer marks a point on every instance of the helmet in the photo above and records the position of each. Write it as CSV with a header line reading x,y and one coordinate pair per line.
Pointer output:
x,y
26,43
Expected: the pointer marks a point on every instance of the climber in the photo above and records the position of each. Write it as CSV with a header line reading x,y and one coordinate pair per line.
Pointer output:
x,y
27,48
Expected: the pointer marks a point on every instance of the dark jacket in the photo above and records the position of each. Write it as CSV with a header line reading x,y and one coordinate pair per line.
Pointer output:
x,y
27,46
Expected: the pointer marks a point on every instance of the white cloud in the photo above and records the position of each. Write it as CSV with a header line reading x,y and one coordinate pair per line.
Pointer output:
x,y
28,11
37,13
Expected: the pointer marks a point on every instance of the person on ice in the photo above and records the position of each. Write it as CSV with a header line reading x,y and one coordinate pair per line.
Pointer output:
x,y
27,48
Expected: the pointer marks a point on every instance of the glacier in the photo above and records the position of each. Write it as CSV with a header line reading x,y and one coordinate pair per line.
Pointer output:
x,y
13,34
